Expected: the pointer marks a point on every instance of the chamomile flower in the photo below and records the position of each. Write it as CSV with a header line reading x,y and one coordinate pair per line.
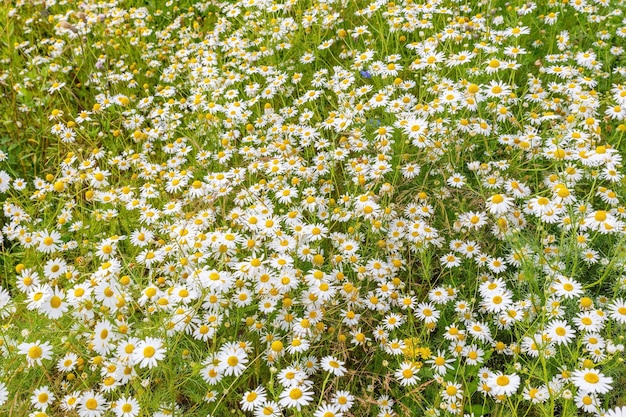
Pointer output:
x,y
503,384
591,381
406,374
617,310
42,398
268,409
253,399
333,365
148,352
4,393
616,412
560,332
232,361
296,397
343,399
68,362
499,204
127,407
35,352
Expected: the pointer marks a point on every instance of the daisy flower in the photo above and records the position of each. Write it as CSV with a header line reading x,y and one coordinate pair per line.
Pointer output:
x,y
333,365
343,399
49,242
67,362
127,407
616,412
233,361
499,204
328,410
253,399
617,310
497,301
91,404
560,332
35,352
70,401
502,384
4,393
601,221
452,392
567,288
407,374
291,376
439,363
42,397
268,409
473,354
479,331
296,397
427,312
55,306
591,381
148,352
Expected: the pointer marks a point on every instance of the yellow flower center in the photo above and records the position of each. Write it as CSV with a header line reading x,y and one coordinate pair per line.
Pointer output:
x,y
91,404
497,199
55,301
148,351
34,352
295,394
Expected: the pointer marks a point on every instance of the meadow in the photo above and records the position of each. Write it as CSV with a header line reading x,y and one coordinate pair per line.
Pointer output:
x,y
312,208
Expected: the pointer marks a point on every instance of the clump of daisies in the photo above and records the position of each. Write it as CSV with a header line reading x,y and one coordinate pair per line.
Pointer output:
x,y
313,208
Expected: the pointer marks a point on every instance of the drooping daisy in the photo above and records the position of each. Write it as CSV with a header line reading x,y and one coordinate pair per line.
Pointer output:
x,y
536,395
601,221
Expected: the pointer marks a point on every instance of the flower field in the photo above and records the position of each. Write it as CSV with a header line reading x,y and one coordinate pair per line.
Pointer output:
x,y
312,208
